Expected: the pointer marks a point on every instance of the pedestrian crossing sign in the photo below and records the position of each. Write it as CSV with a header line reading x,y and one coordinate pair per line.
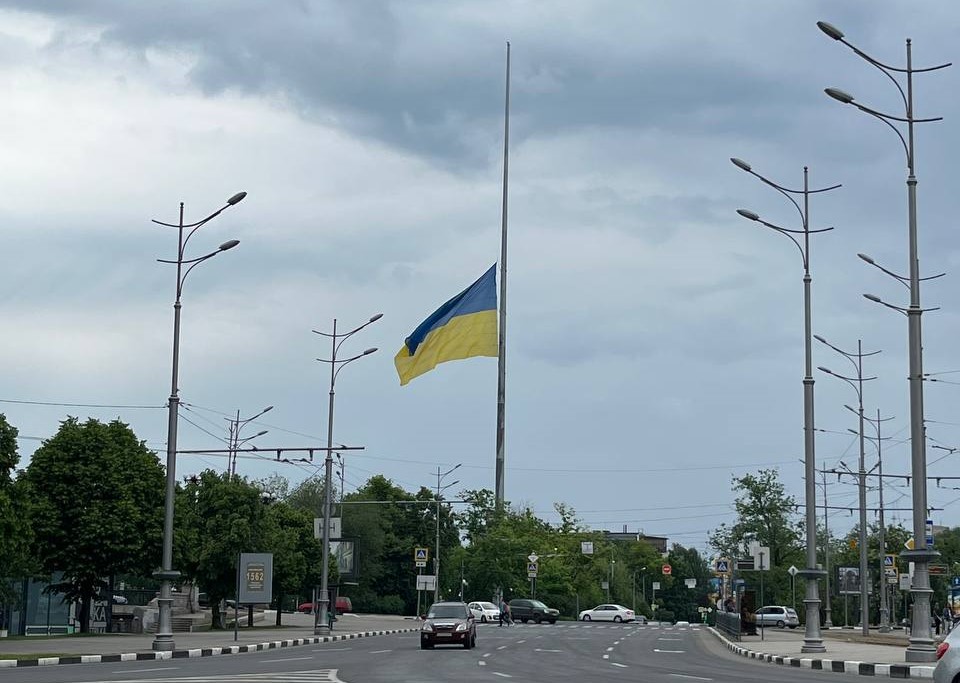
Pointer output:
x,y
722,566
889,560
420,554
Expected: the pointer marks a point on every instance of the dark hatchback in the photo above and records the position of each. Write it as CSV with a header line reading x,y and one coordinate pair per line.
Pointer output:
x,y
532,610
448,623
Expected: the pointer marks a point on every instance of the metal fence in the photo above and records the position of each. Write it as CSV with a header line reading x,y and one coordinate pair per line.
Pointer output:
x,y
729,623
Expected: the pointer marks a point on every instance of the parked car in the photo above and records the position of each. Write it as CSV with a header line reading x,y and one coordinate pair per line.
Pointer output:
x,y
948,658
608,612
484,611
448,623
777,615
522,609
343,604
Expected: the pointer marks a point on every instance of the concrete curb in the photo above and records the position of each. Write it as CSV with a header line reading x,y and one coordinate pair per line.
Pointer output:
x,y
834,665
197,652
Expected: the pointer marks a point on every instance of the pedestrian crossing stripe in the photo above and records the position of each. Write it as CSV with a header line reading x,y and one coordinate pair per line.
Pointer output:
x,y
315,676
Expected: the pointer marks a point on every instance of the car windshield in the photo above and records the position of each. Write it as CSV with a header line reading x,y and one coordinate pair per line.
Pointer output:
x,y
446,612
488,605
537,603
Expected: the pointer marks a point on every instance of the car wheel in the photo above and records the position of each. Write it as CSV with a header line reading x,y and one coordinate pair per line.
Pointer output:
x,y
424,645
617,619
536,619
780,624
483,618
553,621
524,620
468,643
793,626
586,617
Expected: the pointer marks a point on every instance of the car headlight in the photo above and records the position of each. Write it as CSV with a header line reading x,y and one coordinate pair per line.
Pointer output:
x,y
462,626
427,626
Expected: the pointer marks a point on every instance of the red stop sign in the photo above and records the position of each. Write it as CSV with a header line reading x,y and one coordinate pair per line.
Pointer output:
x,y
666,569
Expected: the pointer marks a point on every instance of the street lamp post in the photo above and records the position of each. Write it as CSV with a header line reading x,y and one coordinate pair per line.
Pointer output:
x,y
436,555
857,384
882,540
167,575
827,616
322,625
235,441
812,639
921,647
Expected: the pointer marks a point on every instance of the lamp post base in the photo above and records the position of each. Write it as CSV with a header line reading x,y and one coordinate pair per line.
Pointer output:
x,y
163,642
812,639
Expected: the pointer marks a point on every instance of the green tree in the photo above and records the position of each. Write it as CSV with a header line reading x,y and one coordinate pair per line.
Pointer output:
x,y
297,554
15,529
223,517
97,499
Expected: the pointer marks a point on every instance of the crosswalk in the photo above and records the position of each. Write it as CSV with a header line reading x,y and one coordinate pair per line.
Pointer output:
x,y
315,676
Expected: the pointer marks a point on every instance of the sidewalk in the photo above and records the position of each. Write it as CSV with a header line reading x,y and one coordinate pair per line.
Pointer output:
x,y
847,651
297,630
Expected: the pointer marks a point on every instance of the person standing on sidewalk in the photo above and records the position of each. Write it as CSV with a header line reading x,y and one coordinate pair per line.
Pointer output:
x,y
947,619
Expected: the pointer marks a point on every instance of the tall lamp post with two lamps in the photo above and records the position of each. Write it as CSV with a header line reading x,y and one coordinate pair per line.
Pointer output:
x,y
812,639
163,641
436,555
322,625
921,648
235,441
857,384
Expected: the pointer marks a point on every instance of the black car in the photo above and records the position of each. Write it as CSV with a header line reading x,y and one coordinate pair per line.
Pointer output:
x,y
448,623
532,610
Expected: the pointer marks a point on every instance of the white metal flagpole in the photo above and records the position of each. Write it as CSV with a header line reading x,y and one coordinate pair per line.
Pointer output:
x,y
502,336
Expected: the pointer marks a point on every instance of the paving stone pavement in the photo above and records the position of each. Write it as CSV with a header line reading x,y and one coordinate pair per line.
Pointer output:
x,y
847,651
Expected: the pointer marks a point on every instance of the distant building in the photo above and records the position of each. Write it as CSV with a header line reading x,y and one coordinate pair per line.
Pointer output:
x,y
659,543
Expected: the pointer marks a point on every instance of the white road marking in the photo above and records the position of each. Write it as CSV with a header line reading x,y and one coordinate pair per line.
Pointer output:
x,y
487,654
661,638
502,647
154,668
285,659
537,649
695,678
606,656
497,673
521,641
482,663
331,649
622,666
676,652
616,642
379,652
609,649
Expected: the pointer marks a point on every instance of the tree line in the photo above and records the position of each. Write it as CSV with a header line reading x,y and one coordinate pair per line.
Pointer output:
x,y
89,509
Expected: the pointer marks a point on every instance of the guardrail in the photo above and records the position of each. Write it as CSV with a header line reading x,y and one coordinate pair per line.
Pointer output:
x,y
729,623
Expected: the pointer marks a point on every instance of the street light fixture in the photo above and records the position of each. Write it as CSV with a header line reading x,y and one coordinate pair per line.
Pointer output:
x,y
812,639
436,554
921,648
163,641
322,625
857,384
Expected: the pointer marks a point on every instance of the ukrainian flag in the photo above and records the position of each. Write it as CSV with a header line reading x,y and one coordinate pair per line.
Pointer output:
x,y
464,327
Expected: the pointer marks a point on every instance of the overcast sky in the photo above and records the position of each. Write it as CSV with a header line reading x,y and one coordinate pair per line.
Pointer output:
x,y
655,337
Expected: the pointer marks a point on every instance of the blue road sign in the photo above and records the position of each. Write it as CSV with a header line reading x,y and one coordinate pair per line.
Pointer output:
x,y
723,566
889,560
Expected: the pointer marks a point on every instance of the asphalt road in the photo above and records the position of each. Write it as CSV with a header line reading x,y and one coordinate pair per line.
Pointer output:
x,y
531,653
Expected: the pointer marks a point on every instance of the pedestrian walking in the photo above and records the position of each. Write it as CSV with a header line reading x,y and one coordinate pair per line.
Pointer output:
x,y
504,613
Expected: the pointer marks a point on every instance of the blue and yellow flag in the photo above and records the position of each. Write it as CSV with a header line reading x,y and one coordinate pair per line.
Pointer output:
x,y
464,327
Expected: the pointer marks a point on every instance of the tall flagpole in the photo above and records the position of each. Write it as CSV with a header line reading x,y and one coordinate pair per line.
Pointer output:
x,y
502,336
